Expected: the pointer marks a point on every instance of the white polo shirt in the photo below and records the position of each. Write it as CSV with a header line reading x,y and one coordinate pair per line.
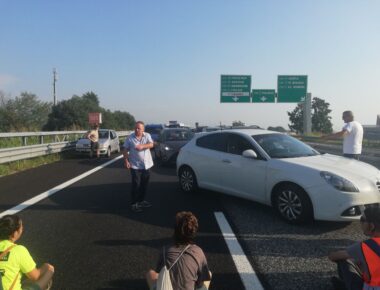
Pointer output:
x,y
139,159
352,142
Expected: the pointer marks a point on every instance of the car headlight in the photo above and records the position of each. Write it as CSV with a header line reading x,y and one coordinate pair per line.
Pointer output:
x,y
339,182
167,148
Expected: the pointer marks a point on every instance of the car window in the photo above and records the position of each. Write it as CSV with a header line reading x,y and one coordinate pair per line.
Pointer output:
x,y
236,144
153,130
178,135
283,146
216,142
113,134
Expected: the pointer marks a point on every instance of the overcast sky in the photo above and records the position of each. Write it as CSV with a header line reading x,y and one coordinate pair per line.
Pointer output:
x,y
162,60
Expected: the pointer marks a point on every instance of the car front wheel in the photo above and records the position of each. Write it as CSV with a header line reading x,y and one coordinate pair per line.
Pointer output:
x,y
293,204
187,180
108,152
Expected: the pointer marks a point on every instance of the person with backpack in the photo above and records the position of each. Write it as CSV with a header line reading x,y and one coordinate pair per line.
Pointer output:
x,y
16,261
359,264
184,261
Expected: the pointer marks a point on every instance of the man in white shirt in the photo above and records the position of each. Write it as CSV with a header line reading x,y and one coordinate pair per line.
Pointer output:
x,y
138,160
352,133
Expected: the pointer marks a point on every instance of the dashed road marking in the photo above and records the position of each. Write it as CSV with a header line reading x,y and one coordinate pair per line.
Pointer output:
x,y
247,274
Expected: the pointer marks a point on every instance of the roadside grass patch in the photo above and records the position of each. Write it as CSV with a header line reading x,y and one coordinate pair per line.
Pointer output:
x,y
20,165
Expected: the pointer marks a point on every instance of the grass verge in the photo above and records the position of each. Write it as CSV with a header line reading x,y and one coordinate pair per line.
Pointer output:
x,y
20,165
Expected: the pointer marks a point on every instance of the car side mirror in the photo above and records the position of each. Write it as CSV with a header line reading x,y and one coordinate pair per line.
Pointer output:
x,y
249,153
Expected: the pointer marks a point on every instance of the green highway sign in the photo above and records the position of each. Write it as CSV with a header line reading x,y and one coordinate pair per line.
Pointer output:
x,y
291,89
263,96
235,89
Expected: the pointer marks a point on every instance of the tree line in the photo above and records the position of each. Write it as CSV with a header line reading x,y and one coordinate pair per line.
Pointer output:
x,y
27,113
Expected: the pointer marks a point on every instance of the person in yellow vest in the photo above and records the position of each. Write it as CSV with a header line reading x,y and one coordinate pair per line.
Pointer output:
x,y
359,264
93,135
16,261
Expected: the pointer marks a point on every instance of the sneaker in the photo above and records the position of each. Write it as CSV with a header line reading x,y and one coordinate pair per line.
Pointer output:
x,y
136,207
144,203
338,283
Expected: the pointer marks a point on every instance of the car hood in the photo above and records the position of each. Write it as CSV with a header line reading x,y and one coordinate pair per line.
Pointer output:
x,y
349,168
175,145
85,141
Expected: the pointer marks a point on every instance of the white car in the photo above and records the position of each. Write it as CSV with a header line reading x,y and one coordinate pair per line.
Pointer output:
x,y
279,170
108,143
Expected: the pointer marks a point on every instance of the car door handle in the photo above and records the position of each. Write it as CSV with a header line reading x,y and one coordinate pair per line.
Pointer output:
x,y
226,161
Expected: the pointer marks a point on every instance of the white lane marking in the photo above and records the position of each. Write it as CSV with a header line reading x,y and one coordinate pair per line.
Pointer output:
x,y
244,268
50,192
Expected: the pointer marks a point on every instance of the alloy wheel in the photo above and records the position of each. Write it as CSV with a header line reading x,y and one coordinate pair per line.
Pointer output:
x,y
289,204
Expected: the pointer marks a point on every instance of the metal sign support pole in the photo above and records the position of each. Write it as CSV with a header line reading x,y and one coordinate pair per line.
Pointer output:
x,y
307,115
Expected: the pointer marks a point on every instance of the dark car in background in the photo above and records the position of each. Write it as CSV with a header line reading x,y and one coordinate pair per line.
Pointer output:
x,y
170,142
154,130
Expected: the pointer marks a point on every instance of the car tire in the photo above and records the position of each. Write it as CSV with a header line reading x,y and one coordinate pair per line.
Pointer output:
x,y
118,149
187,179
293,204
108,154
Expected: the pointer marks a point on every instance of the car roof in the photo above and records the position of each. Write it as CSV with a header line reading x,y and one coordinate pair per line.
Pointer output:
x,y
177,129
249,132
154,125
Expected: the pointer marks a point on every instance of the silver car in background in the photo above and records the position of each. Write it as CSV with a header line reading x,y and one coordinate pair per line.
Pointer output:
x,y
108,143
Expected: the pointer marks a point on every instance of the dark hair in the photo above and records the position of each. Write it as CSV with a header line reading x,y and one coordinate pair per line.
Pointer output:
x,y
186,227
372,215
349,114
8,225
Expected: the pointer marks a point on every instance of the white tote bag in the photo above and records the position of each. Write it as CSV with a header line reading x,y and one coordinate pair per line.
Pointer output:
x,y
164,282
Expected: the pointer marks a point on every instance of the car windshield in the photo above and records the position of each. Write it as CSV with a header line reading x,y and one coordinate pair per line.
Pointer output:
x,y
283,146
153,130
103,134
178,135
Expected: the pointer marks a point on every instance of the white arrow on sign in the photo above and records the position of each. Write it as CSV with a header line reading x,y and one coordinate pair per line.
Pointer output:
x,y
302,99
263,99
235,99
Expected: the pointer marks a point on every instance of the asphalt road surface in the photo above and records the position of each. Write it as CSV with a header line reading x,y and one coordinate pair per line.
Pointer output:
x,y
89,234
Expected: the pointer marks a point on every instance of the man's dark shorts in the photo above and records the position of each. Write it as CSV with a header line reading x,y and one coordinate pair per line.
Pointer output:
x,y
94,146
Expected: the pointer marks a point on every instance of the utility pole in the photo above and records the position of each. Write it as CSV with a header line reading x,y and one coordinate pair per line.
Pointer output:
x,y
55,78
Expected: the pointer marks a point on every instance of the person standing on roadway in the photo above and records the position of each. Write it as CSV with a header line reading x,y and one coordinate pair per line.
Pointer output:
x,y
359,264
352,133
138,159
93,135
16,261
186,261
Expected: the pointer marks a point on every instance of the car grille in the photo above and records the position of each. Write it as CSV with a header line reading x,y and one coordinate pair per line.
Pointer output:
x,y
378,185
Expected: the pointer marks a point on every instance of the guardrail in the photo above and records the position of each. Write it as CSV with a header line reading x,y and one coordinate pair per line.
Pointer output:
x,y
30,151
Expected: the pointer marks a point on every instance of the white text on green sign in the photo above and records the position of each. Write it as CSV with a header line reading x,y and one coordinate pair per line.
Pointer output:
x,y
291,89
263,96
235,88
